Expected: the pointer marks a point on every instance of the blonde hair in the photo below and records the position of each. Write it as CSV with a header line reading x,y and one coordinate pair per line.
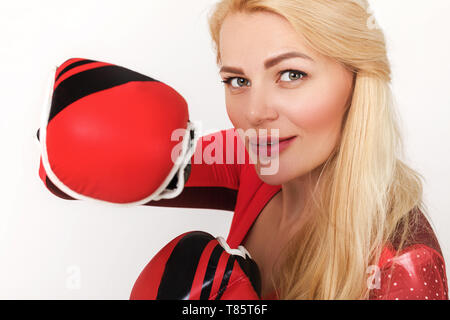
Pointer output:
x,y
365,195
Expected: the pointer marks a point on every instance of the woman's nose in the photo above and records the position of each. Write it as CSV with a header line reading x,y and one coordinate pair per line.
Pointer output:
x,y
260,109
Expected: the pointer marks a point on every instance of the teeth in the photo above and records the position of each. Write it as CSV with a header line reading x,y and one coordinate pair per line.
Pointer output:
x,y
268,144
264,144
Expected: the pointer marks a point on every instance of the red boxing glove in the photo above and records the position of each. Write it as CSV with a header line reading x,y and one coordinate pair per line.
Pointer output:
x,y
110,134
197,266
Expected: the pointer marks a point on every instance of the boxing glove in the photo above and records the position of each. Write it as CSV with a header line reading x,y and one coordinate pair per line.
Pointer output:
x,y
197,266
110,134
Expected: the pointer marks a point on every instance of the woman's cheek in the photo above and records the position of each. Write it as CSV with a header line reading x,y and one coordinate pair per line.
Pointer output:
x,y
235,111
233,115
316,111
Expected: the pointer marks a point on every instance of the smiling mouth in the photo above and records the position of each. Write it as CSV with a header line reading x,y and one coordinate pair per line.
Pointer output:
x,y
271,141
271,148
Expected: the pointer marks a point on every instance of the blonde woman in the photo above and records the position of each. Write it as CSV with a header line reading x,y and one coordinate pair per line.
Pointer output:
x,y
348,220
341,216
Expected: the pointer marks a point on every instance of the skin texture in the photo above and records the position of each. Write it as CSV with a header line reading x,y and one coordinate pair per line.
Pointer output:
x,y
310,107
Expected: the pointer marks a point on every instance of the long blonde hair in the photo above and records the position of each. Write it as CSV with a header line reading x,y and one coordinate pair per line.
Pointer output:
x,y
364,191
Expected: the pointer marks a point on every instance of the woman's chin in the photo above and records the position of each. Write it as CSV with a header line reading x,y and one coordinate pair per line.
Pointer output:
x,y
270,172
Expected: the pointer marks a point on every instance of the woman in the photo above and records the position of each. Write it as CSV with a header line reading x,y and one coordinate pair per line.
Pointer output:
x,y
348,220
341,216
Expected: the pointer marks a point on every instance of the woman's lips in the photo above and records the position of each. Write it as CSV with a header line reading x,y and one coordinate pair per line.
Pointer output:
x,y
267,149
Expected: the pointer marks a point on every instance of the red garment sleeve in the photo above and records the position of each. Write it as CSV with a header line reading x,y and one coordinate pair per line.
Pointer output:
x,y
418,273
214,178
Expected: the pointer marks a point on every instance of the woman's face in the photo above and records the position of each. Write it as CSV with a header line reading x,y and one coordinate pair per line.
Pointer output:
x,y
274,81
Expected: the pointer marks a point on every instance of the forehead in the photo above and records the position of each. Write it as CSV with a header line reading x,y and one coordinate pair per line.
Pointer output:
x,y
257,36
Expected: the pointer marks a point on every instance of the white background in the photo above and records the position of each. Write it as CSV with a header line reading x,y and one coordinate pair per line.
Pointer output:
x,y
56,249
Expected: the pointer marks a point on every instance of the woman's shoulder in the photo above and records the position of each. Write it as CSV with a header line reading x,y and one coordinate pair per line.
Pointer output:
x,y
416,270
421,233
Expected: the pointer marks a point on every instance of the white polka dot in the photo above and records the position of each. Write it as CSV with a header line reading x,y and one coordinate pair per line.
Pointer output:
x,y
418,256
437,294
396,298
395,283
424,269
425,283
412,289
426,297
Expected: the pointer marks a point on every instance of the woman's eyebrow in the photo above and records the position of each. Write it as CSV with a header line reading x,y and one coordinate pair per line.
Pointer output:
x,y
289,55
238,71
270,62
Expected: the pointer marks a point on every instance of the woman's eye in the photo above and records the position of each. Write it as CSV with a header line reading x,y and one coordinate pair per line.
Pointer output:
x,y
237,82
292,75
